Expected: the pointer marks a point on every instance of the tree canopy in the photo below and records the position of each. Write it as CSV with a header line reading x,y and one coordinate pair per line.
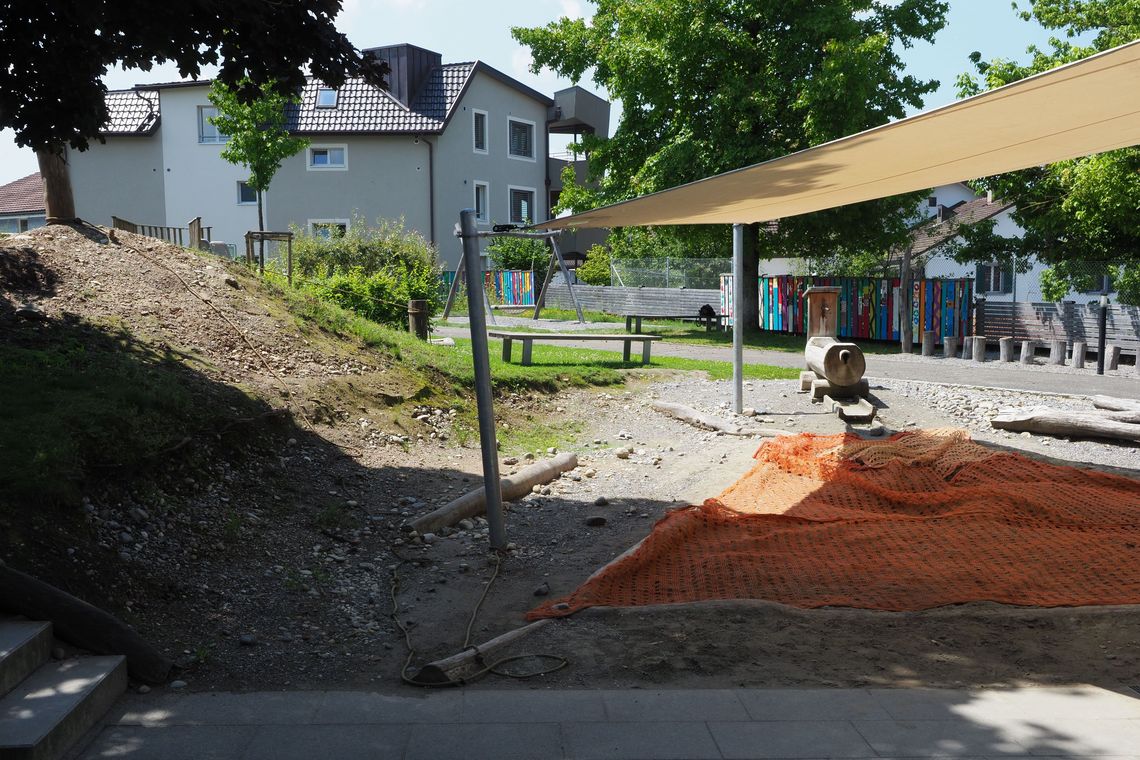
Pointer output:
x,y
53,55
707,86
1083,210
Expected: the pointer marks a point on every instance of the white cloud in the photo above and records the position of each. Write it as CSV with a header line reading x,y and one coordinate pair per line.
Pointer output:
x,y
571,8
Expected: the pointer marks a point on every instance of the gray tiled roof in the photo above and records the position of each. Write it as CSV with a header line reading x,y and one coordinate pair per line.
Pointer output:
x,y
132,112
363,108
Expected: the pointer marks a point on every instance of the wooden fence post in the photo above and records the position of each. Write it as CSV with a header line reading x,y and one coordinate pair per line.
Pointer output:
x,y
1057,352
979,348
1079,349
1005,349
950,346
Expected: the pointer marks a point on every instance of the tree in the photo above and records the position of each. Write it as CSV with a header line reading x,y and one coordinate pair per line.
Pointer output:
x,y
1083,210
712,85
53,55
258,139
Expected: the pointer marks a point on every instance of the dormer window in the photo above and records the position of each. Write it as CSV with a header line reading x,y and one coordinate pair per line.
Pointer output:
x,y
326,97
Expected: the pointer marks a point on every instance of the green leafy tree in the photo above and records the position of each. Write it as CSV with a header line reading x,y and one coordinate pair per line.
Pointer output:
x,y
523,254
1078,210
258,139
53,56
713,85
596,269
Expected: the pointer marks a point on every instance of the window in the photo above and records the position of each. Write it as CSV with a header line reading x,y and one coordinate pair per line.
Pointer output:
x,y
328,158
207,132
326,97
521,138
932,201
522,205
246,195
993,278
328,228
482,193
479,122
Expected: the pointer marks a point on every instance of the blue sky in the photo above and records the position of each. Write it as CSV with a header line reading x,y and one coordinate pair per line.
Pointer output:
x,y
481,30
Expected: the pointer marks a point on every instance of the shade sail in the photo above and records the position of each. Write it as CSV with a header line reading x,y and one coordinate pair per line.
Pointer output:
x,y
1075,110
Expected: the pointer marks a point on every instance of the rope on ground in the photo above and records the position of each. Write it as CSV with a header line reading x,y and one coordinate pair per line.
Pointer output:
x,y
495,667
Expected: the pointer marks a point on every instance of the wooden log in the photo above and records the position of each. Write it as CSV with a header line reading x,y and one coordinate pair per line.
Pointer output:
x,y
1028,348
472,660
968,347
839,363
806,379
979,348
1057,352
81,624
513,487
1079,349
1116,404
1005,349
1046,421
708,422
821,388
928,343
950,346
1113,357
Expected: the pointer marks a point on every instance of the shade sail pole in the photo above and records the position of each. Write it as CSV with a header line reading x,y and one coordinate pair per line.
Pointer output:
x,y
487,440
737,322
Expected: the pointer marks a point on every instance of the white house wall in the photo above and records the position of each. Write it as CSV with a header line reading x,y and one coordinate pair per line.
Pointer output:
x,y
197,181
122,177
458,166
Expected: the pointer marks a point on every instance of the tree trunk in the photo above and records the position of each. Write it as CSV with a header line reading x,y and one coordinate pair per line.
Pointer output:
x,y
1046,421
906,328
748,305
59,201
260,227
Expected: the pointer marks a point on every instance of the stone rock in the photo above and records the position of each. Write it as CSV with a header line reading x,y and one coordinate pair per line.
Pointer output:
x,y
601,501
143,689
510,461
590,472
233,283
622,452
247,640
58,653
138,514
542,590
178,684
748,411
466,524
595,521
429,538
31,312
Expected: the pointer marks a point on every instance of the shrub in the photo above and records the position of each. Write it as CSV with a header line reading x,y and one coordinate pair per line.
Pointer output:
x,y
519,253
373,271
596,269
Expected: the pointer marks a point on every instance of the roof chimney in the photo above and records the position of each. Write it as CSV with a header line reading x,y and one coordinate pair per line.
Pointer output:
x,y
409,67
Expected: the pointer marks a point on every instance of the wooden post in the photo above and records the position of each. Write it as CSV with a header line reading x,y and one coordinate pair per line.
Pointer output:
x,y
928,343
979,348
1005,349
1027,349
1113,357
1079,349
195,228
1057,352
290,265
906,326
968,347
418,318
950,346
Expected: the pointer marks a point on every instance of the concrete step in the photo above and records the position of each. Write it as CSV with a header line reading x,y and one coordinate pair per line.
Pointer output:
x,y
24,646
51,709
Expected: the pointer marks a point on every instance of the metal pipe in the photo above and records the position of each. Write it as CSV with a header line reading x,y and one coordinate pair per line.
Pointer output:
x,y
737,322
1101,326
473,264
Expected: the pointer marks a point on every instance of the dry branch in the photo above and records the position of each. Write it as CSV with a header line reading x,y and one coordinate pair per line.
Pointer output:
x,y
1046,421
703,421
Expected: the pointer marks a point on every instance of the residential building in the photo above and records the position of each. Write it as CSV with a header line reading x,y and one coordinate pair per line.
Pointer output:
x,y
22,204
442,138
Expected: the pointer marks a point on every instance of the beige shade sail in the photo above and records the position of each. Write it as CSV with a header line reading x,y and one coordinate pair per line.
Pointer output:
x,y
1075,110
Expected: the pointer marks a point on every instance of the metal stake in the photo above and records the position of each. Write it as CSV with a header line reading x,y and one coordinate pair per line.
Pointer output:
x,y
737,322
483,397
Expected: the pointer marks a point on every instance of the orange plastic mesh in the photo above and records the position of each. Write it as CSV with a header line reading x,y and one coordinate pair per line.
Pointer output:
x,y
915,521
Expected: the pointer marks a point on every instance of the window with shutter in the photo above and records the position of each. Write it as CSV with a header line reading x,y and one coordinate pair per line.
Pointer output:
x,y
482,214
479,121
522,205
521,139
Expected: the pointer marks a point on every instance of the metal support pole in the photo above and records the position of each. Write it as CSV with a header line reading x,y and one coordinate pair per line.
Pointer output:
x,y
737,322
1101,326
453,290
566,275
483,397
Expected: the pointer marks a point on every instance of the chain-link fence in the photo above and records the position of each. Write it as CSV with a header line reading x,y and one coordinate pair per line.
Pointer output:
x,y
669,273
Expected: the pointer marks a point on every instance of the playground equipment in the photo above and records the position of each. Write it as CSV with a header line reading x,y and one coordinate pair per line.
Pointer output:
x,y
834,374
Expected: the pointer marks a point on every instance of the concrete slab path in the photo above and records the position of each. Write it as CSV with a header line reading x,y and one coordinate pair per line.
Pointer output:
x,y
474,723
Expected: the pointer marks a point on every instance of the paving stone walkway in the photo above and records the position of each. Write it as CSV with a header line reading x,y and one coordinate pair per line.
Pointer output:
x,y
474,723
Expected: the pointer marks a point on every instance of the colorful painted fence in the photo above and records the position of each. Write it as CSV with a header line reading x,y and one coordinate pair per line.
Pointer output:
x,y
867,306
511,287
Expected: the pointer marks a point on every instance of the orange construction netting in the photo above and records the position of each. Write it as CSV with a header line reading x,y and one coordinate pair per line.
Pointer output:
x,y
915,521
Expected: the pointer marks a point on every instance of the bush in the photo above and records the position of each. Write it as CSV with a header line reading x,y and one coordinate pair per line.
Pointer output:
x,y
374,271
519,253
596,269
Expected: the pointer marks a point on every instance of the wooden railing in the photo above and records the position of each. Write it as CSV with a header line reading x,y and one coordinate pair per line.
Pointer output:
x,y
193,231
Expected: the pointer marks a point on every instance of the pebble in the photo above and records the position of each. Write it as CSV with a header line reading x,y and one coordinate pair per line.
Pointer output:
x,y
590,472
247,640
429,538
58,654
595,521
178,684
542,590
508,461
601,501
622,452
143,689
466,524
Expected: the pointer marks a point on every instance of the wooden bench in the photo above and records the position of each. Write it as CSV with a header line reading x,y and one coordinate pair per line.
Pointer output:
x,y
528,340
633,321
